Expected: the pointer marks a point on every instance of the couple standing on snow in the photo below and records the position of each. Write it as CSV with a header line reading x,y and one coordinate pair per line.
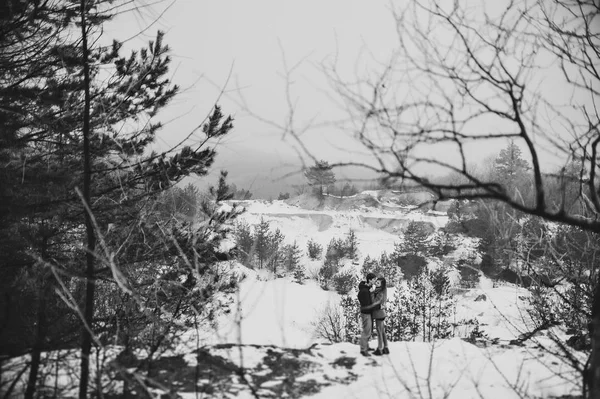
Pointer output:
x,y
372,295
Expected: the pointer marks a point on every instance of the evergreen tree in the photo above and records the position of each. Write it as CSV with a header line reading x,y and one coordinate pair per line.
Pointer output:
x,y
351,246
314,249
262,242
77,122
336,250
223,191
510,165
178,203
320,176
300,273
292,256
390,270
344,282
510,170
276,250
415,238
244,242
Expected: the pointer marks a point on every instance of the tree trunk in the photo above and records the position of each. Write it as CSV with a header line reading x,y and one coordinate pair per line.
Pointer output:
x,y
39,341
593,371
86,335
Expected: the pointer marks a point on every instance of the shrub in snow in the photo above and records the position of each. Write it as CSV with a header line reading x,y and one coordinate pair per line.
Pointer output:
x,y
440,245
476,334
300,274
314,250
326,273
565,304
411,265
344,282
330,324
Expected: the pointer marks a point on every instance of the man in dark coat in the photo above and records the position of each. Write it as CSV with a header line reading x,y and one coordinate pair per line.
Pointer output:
x,y
364,297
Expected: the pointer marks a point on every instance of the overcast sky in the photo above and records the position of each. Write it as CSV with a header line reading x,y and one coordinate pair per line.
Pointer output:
x,y
243,47
249,42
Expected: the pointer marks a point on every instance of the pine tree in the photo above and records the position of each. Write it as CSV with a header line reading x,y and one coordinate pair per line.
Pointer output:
x,y
262,242
314,250
79,116
223,191
415,238
244,243
510,165
510,170
320,176
390,270
293,255
370,266
351,245
299,273
276,250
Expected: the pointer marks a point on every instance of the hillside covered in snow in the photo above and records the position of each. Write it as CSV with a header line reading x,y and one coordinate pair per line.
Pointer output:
x,y
265,338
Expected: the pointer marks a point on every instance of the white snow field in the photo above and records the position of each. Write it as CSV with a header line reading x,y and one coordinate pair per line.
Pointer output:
x,y
273,319
279,312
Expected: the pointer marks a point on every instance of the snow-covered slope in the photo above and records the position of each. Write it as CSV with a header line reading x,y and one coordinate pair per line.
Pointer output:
x,y
282,357
268,329
281,313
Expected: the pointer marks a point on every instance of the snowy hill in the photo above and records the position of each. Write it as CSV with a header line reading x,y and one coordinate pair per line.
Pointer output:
x,y
273,352
263,342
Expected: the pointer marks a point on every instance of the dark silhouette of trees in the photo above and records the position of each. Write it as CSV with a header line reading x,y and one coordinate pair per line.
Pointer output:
x,y
77,120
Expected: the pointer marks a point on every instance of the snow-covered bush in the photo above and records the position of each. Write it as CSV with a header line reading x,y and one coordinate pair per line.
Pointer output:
x,y
344,282
326,273
329,324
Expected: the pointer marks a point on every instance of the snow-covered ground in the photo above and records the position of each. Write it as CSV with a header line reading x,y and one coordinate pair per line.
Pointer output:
x,y
280,312
274,319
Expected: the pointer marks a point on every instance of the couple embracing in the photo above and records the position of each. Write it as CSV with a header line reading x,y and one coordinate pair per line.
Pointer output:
x,y
372,295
